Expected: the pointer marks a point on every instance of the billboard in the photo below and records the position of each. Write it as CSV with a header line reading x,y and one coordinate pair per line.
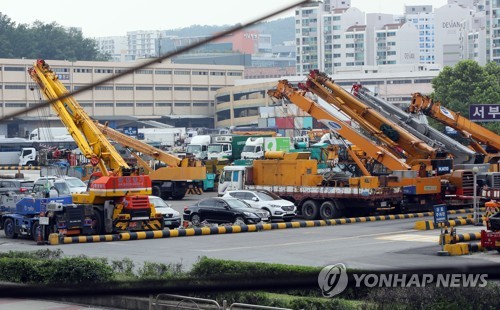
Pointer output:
x,y
484,112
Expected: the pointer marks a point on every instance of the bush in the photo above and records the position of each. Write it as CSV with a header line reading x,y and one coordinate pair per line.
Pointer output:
x,y
54,271
39,254
159,271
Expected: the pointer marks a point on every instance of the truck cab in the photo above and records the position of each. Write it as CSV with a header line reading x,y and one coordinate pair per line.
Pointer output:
x,y
221,148
253,149
199,146
233,178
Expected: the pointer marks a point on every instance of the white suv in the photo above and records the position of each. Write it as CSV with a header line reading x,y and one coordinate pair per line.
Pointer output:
x,y
279,208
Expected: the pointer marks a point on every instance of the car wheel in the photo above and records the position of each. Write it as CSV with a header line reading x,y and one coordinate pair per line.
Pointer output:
x,y
195,219
239,221
270,215
9,229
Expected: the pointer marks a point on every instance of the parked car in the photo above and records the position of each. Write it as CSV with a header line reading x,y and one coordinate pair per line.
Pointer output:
x,y
75,185
44,185
224,210
279,208
15,186
171,217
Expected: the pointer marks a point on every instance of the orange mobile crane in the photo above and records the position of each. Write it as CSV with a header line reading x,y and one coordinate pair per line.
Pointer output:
x,y
118,199
475,134
419,192
171,181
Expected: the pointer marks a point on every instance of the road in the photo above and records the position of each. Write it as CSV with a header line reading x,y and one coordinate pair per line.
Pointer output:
x,y
371,245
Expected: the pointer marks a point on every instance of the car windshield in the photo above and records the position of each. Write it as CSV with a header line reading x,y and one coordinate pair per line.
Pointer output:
x,y
158,202
237,204
193,149
248,148
266,196
62,188
75,183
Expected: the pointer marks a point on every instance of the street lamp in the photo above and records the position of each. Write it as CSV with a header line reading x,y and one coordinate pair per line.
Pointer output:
x,y
474,197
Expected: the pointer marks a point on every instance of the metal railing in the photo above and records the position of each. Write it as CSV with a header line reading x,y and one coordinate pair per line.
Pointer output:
x,y
195,303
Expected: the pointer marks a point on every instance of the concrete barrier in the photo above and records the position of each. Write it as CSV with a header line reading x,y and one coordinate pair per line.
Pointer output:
x,y
451,239
20,167
429,225
217,230
463,248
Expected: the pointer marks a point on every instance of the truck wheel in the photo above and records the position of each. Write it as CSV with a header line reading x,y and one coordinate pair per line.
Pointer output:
x,y
310,210
34,231
156,191
10,229
329,210
97,223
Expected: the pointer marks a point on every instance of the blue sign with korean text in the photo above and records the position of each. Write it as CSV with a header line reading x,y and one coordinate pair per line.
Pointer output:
x,y
484,112
440,214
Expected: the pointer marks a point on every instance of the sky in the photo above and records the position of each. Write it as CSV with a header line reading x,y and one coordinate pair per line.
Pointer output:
x,y
98,18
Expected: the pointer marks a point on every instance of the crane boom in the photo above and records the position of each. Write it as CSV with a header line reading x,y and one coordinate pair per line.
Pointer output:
x,y
431,136
134,144
383,129
87,136
286,90
434,109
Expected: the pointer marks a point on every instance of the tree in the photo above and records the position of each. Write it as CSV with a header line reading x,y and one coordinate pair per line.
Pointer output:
x,y
468,83
46,41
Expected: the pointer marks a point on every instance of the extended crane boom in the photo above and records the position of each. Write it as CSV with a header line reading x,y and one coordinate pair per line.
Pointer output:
x,y
386,131
172,181
286,90
117,199
469,129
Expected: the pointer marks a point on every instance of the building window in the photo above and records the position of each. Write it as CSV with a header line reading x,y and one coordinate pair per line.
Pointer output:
x,y
82,70
181,72
200,104
103,70
182,104
234,73
103,88
200,73
124,88
163,104
14,69
400,81
124,104
167,72
15,105
215,88
104,104
182,88
217,73
60,69
144,88
143,71
15,86
144,104
423,80
163,88
200,88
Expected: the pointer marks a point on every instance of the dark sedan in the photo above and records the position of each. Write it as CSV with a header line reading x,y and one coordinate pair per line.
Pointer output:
x,y
224,210
15,186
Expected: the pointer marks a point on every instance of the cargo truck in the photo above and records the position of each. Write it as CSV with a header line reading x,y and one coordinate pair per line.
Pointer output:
x,y
300,183
256,147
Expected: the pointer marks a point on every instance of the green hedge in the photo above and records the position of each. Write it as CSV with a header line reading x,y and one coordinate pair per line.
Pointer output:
x,y
46,267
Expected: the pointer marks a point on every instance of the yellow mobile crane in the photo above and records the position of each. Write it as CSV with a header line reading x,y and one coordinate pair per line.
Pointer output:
x,y
171,181
119,200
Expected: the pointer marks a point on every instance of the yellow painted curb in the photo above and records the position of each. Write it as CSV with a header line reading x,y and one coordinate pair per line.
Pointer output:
x,y
457,249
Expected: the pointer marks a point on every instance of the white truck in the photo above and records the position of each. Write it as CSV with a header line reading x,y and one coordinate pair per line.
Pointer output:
x,y
221,148
199,146
255,148
163,136
50,134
